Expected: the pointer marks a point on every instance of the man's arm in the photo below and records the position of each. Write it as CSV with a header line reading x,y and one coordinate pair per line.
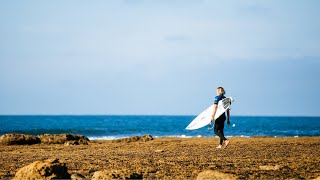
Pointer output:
x,y
215,107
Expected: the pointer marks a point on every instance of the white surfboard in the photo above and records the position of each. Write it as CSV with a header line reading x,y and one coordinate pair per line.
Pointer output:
x,y
204,118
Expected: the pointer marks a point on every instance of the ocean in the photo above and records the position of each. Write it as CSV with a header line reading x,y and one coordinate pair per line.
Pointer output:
x,y
115,127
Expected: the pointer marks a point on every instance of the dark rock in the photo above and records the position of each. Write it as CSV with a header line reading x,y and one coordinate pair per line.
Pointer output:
x,y
71,143
18,139
23,139
63,138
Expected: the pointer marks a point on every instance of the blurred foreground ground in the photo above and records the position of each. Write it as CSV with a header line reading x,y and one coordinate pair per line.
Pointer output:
x,y
168,158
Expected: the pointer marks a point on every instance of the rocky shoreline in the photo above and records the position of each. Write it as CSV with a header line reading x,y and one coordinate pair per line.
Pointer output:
x,y
146,157
26,139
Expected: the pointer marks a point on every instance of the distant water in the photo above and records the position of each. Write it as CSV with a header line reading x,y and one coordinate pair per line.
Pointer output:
x,y
114,127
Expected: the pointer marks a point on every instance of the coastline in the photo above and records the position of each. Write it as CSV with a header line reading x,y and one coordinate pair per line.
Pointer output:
x,y
178,158
109,138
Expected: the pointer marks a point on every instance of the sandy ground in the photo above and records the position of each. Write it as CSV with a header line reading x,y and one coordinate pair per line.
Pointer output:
x,y
178,158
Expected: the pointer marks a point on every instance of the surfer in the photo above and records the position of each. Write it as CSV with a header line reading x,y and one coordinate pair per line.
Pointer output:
x,y
219,122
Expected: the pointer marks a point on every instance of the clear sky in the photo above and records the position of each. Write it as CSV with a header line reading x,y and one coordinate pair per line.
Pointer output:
x,y
159,56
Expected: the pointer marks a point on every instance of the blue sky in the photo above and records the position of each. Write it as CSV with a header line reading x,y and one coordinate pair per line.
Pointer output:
x,y
159,57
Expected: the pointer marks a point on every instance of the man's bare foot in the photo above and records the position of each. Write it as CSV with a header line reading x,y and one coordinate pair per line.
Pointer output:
x,y
226,142
219,147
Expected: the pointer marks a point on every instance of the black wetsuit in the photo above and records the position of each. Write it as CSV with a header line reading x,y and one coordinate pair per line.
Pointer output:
x,y
219,122
219,126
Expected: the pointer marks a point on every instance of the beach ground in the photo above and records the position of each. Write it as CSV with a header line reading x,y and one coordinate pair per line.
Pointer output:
x,y
178,158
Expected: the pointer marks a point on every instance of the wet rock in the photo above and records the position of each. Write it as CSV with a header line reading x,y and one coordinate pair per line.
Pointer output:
x,y
48,169
144,138
115,174
18,139
215,175
268,168
63,138
77,177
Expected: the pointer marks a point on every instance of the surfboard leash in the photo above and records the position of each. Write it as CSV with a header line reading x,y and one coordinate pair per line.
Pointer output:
x,y
210,126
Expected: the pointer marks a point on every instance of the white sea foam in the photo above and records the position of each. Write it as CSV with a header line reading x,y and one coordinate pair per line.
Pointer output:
x,y
106,137
180,136
242,136
121,137
174,136
236,136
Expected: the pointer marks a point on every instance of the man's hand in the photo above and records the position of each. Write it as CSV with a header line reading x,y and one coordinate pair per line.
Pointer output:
x,y
212,118
228,122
